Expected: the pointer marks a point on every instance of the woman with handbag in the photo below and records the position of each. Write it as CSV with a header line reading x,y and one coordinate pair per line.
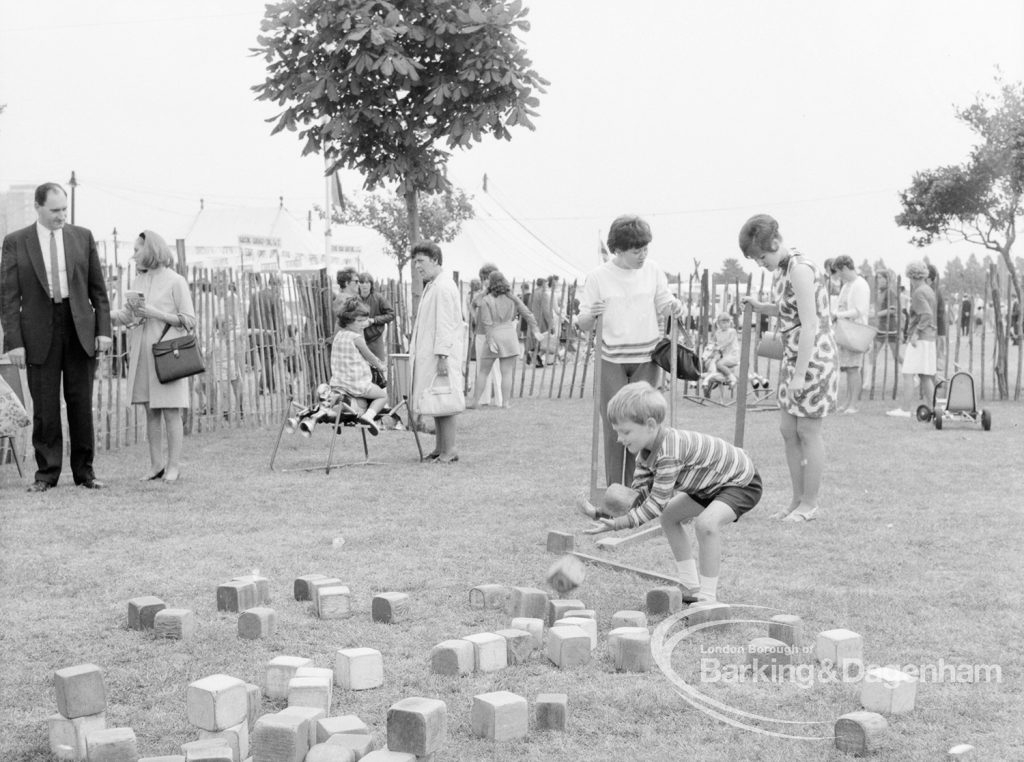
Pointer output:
x,y
436,351
497,314
808,381
159,306
919,353
853,335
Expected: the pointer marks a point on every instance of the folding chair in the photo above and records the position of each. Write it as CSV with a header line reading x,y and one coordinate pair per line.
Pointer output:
x,y
15,378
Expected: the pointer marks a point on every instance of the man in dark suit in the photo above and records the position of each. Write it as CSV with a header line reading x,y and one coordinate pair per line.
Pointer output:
x,y
56,319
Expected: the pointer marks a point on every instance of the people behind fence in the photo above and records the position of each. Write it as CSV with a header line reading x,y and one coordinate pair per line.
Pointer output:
x,y
436,350
808,377
56,320
853,303
630,295
490,391
348,287
941,329
543,315
681,477
159,307
722,355
380,314
497,313
887,321
266,328
919,353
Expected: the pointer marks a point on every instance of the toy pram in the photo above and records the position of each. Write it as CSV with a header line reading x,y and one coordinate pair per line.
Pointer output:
x,y
958,404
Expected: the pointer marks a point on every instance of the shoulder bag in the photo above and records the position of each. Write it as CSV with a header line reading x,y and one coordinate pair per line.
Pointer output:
x,y
853,336
441,398
176,358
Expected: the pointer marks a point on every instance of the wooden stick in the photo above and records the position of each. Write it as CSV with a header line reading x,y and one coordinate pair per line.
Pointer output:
x,y
614,543
596,430
741,396
673,337
606,564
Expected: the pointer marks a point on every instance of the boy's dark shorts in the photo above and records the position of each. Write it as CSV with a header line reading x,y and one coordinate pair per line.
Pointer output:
x,y
740,499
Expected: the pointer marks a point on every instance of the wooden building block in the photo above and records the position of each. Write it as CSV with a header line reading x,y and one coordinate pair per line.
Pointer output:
x,y
236,596
489,597
528,602
499,716
217,702
280,670
311,714
552,711
389,607
453,657
361,745
664,600
582,613
960,751
629,618
634,652
142,610
616,635
262,587
561,542
702,613
323,752
566,574
343,724
417,725
534,626
588,626
386,755
280,738
236,737
112,745
67,737
768,656
174,624
327,675
788,628
310,691
559,607
887,690
255,695
860,733
489,651
358,669
256,623
568,646
333,602
519,645
80,690
208,750
316,585
301,587
841,648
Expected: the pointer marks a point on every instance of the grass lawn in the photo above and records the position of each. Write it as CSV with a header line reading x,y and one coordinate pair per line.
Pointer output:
x,y
917,548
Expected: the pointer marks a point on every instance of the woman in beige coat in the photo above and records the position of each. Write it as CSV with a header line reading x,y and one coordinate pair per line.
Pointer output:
x,y
159,300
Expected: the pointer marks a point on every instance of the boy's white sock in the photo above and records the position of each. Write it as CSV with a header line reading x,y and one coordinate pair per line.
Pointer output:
x,y
708,588
688,575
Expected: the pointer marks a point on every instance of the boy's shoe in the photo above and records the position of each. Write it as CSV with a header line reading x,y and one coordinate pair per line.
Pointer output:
x,y
370,424
306,428
289,426
690,594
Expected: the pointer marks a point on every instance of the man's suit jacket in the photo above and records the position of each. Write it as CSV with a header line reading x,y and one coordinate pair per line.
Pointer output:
x,y
27,307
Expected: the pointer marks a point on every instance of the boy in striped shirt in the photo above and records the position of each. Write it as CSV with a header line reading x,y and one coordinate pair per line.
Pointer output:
x,y
681,476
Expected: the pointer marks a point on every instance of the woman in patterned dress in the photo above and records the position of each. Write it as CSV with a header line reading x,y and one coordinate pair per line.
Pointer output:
x,y
808,382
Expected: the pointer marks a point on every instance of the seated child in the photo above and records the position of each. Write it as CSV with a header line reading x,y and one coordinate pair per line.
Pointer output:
x,y
723,355
681,476
351,361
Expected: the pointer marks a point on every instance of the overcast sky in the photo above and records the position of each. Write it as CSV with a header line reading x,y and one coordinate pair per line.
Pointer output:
x,y
695,114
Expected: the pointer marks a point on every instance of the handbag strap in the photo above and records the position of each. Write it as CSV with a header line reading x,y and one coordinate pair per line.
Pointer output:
x,y
168,326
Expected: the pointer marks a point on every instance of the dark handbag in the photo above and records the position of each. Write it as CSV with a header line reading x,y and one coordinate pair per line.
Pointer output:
x,y
770,347
176,358
377,377
688,365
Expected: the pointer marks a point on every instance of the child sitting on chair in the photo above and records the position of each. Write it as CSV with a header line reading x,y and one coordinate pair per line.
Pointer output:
x,y
681,476
351,361
723,354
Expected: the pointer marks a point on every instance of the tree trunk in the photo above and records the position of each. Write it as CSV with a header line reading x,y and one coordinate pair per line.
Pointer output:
x,y
412,208
999,360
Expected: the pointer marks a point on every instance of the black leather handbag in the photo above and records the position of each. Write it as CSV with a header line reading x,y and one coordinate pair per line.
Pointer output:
x,y
176,358
688,366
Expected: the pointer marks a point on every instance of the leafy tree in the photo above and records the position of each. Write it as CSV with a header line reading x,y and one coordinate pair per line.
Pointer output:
x,y
954,275
974,275
386,87
732,271
980,200
440,217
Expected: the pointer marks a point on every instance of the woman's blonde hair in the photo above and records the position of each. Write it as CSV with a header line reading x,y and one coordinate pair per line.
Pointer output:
x,y
154,253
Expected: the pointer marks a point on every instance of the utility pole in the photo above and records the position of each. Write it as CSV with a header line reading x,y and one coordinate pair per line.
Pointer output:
x,y
73,183
116,264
